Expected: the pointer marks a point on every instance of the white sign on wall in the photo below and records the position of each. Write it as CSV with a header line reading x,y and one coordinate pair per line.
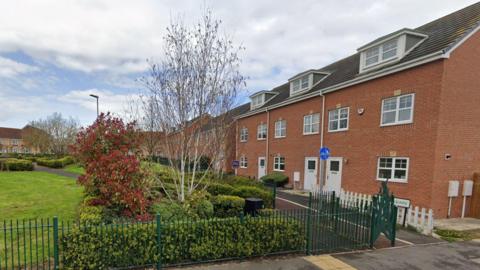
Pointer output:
x,y
296,176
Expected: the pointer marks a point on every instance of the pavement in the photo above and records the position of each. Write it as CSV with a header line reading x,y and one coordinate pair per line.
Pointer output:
x,y
432,256
458,224
55,171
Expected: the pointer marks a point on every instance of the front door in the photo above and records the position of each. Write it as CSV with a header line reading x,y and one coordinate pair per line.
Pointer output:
x,y
261,167
310,175
333,181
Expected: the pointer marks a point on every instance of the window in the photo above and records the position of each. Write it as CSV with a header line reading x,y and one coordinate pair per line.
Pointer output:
x,y
311,123
280,128
243,162
279,163
244,134
392,169
262,132
381,53
300,84
338,119
14,141
397,110
257,101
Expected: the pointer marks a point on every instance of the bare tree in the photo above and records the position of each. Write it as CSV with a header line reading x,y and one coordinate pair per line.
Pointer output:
x,y
190,92
53,134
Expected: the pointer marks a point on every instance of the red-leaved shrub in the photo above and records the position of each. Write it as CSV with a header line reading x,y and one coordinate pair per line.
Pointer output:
x,y
109,149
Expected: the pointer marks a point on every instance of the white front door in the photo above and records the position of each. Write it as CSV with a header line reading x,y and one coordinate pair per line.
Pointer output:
x,y
334,175
261,167
310,175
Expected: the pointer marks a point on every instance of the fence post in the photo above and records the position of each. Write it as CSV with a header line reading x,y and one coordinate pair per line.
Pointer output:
x,y
309,224
274,194
242,218
55,244
372,221
394,221
159,241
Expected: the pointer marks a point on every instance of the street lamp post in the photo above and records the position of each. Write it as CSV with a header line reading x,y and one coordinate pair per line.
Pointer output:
x,y
96,97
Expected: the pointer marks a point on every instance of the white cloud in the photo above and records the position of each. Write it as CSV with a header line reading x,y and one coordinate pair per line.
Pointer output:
x,y
117,36
10,68
108,100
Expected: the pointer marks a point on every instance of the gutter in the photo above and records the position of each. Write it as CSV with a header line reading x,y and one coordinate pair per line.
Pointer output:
x,y
321,162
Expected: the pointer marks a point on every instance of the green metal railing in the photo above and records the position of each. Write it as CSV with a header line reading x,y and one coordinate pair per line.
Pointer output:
x,y
325,226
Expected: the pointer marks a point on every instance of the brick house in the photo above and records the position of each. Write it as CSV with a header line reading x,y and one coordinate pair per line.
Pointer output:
x,y
12,141
403,108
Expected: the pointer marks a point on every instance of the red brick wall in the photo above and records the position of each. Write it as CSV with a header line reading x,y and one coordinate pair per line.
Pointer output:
x,y
459,128
446,120
365,140
253,148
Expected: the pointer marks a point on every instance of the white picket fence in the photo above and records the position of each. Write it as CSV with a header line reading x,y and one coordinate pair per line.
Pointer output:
x,y
419,218
354,197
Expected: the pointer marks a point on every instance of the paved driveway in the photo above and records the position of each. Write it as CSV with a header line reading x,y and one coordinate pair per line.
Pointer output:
x,y
439,256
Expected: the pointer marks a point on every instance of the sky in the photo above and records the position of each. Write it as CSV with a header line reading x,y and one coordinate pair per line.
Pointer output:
x,y
54,54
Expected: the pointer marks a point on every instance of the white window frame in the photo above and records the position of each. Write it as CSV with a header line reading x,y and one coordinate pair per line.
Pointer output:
x,y
244,134
397,110
280,128
257,101
262,129
393,170
311,124
243,162
339,119
277,162
380,52
304,80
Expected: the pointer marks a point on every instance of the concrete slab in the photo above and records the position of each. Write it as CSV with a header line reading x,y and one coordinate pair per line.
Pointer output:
x,y
458,224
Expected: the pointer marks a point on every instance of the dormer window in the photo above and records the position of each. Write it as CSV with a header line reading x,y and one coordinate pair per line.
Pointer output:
x,y
260,98
300,84
257,101
388,49
304,81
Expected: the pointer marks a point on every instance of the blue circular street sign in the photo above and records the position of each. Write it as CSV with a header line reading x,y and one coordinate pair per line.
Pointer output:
x,y
324,153
235,164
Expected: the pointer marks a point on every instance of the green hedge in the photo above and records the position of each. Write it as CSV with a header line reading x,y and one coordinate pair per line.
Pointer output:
x,y
55,163
227,206
220,189
182,242
13,164
275,178
254,192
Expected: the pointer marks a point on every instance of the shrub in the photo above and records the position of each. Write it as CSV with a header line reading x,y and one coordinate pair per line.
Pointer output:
x,y
13,164
169,210
204,209
181,242
227,206
110,151
55,163
90,214
275,178
254,192
220,189
235,181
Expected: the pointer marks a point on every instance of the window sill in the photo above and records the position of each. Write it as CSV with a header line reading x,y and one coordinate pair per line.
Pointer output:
x,y
397,123
263,139
403,181
338,130
278,170
242,167
243,141
280,137
313,133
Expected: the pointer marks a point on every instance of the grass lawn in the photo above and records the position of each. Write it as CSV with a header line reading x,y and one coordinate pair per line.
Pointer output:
x,y
25,195
74,168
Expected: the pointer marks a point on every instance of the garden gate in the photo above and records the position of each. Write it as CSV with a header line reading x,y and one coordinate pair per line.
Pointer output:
x,y
384,215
